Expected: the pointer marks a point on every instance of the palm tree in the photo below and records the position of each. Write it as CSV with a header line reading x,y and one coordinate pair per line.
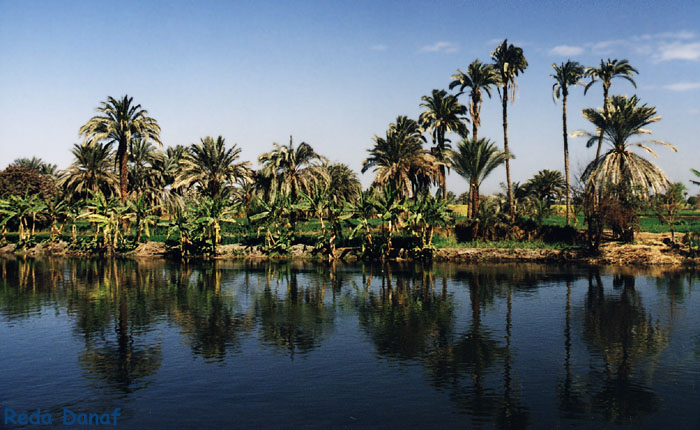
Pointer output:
x,y
91,170
605,73
696,173
37,164
474,160
565,75
290,170
442,115
120,121
145,179
622,120
211,166
479,77
343,182
509,62
400,160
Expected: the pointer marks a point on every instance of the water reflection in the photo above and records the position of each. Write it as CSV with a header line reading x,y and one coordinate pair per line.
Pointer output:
x,y
457,324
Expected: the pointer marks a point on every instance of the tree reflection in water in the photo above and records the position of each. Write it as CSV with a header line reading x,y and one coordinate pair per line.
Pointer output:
x,y
617,327
408,313
292,316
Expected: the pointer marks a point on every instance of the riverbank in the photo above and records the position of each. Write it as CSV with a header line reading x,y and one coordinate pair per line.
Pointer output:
x,y
650,249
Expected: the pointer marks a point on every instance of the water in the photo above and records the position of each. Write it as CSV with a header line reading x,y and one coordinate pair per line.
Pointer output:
x,y
220,344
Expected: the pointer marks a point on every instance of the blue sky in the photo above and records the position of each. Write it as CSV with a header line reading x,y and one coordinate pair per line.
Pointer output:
x,y
334,73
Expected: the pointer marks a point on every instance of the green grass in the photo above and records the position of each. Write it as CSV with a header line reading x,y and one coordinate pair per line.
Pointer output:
x,y
648,222
450,242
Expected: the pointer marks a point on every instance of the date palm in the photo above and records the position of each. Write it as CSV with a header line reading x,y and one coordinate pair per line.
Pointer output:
x,y
623,120
443,114
474,160
343,182
566,75
145,179
696,173
400,160
509,62
605,73
91,170
479,78
37,164
292,169
118,122
211,167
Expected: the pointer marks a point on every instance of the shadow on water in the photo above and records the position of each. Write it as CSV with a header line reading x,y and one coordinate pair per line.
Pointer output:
x,y
455,322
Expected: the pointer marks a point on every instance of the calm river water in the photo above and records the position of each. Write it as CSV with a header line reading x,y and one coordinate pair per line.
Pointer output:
x,y
222,345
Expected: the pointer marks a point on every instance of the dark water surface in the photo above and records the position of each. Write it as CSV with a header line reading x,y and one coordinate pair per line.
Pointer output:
x,y
222,345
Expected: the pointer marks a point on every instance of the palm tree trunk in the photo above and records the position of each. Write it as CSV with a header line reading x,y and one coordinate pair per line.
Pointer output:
x,y
123,172
566,163
506,149
605,115
475,204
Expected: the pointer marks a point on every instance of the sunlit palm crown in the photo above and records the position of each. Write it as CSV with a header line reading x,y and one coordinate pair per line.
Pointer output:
x,y
399,158
509,61
474,160
566,75
479,77
119,122
608,70
625,120
443,114
546,185
211,166
91,170
290,170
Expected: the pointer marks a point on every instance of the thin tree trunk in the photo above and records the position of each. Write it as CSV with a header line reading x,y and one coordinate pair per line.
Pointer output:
x,y
506,149
605,115
123,172
566,164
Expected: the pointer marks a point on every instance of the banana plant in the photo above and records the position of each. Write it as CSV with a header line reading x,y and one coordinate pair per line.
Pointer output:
x,y
106,215
208,215
391,207
23,209
72,213
426,213
56,209
180,224
142,215
361,211
273,218
320,203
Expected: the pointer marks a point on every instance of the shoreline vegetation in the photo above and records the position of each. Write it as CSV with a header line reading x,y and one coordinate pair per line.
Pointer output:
x,y
124,196
651,249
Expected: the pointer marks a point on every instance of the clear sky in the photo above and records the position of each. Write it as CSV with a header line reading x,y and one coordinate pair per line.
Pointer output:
x,y
335,73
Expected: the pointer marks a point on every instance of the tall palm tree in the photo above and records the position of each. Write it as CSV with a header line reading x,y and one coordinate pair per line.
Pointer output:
x,y
624,119
509,62
211,166
474,160
400,160
291,169
91,170
118,122
443,114
605,73
479,77
565,75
